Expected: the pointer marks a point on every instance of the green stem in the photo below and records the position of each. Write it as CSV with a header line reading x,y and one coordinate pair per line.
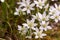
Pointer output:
x,y
9,26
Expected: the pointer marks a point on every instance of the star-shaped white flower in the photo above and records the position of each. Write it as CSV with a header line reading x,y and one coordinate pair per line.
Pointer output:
x,y
44,17
22,30
44,26
39,33
26,5
40,3
53,10
56,17
30,24
41,17
37,16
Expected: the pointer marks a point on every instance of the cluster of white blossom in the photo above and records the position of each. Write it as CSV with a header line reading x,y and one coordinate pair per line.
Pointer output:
x,y
42,18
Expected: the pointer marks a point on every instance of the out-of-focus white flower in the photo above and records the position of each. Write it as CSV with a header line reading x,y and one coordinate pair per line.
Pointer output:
x,y
40,3
19,27
57,7
56,17
52,10
17,12
55,13
44,17
39,34
22,30
2,0
44,26
37,16
30,24
41,17
27,5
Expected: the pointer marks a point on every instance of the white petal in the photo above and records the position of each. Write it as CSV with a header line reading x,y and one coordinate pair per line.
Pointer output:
x,y
44,14
32,9
35,24
28,11
19,27
45,29
43,22
52,17
28,37
32,5
28,21
49,27
34,16
17,9
56,20
35,33
42,35
16,13
36,2
24,24
40,15
41,28
33,28
59,17
32,20
40,7
55,5
36,37
24,9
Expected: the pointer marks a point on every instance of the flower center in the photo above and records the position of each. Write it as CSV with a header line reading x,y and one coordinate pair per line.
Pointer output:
x,y
40,3
30,24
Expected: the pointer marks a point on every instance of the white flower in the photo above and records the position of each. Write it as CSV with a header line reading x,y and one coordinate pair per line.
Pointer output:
x,y
40,3
37,16
57,7
27,5
44,26
2,0
39,34
56,17
30,24
41,17
17,12
44,17
55,13
19,27
22,30
52,10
